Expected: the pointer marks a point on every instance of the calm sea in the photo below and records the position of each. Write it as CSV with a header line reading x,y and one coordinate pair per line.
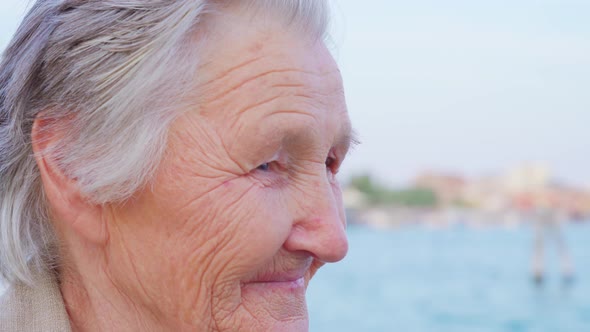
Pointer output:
x,y
453,280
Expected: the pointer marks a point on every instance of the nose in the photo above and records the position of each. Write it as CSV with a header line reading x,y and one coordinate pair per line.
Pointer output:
x,y
319,225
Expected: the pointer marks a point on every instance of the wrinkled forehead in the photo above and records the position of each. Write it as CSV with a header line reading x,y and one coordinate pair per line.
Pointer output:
x,y
263,78
250,58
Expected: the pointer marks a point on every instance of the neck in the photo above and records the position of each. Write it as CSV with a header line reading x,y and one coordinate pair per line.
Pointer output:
x,y
95,302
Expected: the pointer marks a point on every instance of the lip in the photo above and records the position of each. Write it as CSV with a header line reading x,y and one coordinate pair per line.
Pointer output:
x,y
291,278
272,278
280,296
276,285
283,283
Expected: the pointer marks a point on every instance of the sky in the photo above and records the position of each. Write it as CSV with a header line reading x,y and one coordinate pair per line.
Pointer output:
x,y
457,86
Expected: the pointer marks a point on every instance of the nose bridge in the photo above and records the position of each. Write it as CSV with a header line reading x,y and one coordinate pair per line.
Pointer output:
x,y
320,225
321,201
325,197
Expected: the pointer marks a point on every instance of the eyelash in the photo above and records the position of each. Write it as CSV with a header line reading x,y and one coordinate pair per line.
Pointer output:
x,y
331,164
264,167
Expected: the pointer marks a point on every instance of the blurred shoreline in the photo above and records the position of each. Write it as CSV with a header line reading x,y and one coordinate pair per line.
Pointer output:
x,y
398,217
523,195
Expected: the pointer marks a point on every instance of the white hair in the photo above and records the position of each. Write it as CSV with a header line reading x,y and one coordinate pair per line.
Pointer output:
x,y
108,75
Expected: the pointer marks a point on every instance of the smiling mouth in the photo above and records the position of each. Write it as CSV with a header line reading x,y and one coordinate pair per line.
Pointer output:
x,y
282,297
291,279
295,278
296,282
293,287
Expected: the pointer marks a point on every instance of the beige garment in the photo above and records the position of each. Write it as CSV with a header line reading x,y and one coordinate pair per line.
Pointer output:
x,y
32,309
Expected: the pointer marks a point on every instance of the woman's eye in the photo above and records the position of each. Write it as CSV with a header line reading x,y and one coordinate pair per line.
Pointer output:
x,y
330,162
264,167
332,168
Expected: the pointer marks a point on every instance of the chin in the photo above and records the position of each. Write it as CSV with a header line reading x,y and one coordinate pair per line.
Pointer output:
x,y
271,306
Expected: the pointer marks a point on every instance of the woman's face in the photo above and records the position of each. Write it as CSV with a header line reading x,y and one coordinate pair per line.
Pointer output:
x,y
245,206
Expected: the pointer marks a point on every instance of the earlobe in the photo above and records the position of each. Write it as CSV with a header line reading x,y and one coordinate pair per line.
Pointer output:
x,y
69,208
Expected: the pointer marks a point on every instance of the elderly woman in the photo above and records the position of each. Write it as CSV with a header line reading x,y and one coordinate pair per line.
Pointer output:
x,y
168,165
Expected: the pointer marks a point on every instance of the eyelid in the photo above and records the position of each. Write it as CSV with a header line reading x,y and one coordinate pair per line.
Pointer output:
x,y
274,159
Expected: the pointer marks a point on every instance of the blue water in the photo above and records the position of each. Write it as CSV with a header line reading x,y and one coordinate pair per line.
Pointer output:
x,y
454,280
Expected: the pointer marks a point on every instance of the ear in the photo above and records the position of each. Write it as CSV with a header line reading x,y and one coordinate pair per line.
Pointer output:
x,y
72,212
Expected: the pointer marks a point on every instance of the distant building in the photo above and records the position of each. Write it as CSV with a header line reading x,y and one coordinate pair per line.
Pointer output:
x,y
528,177
506,199
448,188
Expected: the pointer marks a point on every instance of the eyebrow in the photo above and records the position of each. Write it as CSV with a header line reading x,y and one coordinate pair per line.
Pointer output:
x,y
347,138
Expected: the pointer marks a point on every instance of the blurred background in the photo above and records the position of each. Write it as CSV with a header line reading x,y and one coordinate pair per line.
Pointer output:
x,y
469,199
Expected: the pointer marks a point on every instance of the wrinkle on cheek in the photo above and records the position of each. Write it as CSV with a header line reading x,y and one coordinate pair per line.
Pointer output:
x,y
253,219
211,256
238,197
197,279
228,258
194,205
220,215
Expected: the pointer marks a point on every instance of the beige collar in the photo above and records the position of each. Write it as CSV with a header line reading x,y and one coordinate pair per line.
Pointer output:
x,y
32,309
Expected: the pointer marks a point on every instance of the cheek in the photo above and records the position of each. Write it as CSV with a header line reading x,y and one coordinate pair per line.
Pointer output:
x,y
253,218
233,230
205,243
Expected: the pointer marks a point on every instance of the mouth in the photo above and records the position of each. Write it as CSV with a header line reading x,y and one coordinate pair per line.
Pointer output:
x,y
279,292
291,286
281,296
278,282
286,277
292,279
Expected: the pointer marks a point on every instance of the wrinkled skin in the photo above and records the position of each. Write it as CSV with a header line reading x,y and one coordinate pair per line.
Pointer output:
x,y
245,206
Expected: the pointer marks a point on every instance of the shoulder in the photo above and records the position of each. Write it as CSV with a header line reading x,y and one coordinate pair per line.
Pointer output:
x,y
33,308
